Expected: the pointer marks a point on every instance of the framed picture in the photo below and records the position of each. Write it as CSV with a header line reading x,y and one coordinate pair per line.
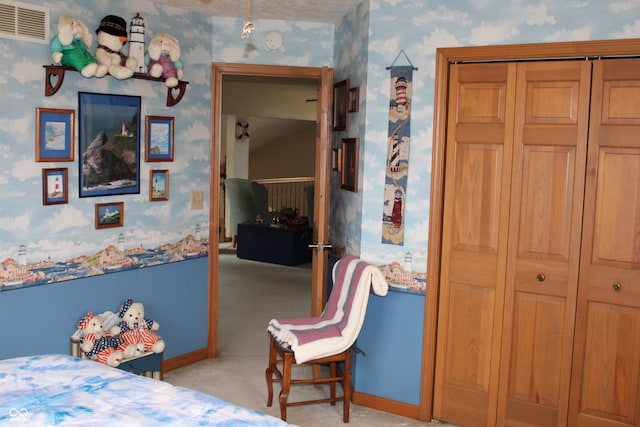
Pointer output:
x,y
54,186
354,99
335,159
109,215
340,98
158,139
349,172
158,185
109,141
54,135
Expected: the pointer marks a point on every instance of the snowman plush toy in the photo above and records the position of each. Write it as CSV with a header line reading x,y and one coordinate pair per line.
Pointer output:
x,y
112,36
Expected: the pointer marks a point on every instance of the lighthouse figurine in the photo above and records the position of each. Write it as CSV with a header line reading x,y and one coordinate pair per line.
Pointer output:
x,y
136,42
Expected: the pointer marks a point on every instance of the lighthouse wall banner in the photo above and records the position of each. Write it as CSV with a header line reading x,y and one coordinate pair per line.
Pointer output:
x,y
397,167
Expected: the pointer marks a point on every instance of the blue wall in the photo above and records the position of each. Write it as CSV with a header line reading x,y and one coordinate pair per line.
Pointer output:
x,y
41,319
391,342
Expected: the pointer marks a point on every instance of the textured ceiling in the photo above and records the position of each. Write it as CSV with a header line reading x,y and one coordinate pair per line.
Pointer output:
x,y
326,11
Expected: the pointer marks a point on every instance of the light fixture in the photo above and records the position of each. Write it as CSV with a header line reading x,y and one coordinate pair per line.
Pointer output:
x,y
248,26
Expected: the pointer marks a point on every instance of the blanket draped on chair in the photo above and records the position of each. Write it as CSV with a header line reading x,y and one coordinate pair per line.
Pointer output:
x,y
337,328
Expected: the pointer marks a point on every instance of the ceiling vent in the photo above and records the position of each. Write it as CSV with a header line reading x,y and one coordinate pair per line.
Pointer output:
x,y
22,21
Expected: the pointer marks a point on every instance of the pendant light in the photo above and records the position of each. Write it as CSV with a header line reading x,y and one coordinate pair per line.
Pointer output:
x,y
248,26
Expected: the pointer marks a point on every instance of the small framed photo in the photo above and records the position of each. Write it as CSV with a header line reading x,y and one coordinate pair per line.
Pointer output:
x,y
54,186
158,185
109,215
354,99
54,135
159,139
340,98
349,172
335,159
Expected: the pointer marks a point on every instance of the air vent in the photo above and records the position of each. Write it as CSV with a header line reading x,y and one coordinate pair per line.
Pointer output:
x,y
22,21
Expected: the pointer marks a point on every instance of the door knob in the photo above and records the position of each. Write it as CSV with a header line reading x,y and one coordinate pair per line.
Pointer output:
x,y
617,287
540,277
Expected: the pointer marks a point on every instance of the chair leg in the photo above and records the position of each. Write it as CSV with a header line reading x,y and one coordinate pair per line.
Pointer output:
x,y
347,387
286,384
332,385
273,359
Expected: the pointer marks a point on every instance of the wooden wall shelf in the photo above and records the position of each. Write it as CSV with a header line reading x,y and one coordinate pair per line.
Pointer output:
x,y
174,95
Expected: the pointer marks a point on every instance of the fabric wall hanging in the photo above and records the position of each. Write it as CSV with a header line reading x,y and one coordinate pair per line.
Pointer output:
x,y
397,168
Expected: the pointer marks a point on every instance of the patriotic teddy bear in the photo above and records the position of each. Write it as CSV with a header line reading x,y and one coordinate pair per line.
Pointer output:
x,y
134,328
98,344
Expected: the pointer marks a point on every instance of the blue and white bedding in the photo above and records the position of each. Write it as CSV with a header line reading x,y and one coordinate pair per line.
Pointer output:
x,y
67,391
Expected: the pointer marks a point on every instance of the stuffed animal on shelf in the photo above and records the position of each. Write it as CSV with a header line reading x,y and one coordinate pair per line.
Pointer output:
x,y
97,344
163,59
70,47
112,35
134,328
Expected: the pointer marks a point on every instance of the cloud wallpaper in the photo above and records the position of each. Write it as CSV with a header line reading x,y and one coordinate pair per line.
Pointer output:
x,y
58,239
369,40
360,48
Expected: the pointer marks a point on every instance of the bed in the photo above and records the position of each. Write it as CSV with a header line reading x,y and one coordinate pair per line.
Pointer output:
x,y
64,390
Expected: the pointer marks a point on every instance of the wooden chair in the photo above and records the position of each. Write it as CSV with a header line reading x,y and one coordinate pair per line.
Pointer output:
x,y
327,339
280,362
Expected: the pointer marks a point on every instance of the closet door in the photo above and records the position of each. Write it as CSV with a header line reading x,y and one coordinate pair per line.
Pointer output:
x,y
605,389
474,246
543,256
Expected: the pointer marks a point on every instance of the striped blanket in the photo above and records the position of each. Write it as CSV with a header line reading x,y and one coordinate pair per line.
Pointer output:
x,y
337,328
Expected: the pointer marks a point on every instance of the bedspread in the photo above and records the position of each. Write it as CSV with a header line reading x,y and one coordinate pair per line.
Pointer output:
x,y
64,390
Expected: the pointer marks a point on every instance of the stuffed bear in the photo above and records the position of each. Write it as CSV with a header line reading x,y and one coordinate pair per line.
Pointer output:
x,y
135,328
163,59
97,344
70,47
112,35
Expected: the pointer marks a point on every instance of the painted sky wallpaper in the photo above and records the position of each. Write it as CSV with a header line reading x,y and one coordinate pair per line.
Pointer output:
x,y
360,48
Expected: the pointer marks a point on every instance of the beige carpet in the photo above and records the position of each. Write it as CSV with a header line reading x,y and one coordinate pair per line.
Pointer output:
x,y
251,293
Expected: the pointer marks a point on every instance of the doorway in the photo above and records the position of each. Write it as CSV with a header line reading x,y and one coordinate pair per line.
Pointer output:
x,y
324,77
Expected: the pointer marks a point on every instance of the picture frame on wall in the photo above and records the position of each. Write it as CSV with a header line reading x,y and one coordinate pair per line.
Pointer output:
x,y
158,139
55,135
55,186
109,215
335,159
109,140
158,185
340,99
349,163
354,99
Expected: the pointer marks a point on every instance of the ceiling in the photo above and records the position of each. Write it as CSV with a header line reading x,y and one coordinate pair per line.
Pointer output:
x,y
324,11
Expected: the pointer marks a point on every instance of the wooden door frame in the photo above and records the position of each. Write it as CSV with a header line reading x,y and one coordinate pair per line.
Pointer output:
x,y
444,56
324,76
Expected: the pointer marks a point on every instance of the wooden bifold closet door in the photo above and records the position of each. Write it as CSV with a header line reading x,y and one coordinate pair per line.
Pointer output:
x,y
516,160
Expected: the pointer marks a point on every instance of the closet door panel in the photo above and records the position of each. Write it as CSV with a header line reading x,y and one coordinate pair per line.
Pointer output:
x,y
605,386
550,137
476,196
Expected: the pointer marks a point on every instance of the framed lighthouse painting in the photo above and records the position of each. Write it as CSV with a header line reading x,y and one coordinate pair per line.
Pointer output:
x,y
340,99
349,162
109,139
54,186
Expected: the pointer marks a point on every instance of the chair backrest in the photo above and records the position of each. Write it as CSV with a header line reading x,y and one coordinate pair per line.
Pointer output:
x,y
261,199
240,197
